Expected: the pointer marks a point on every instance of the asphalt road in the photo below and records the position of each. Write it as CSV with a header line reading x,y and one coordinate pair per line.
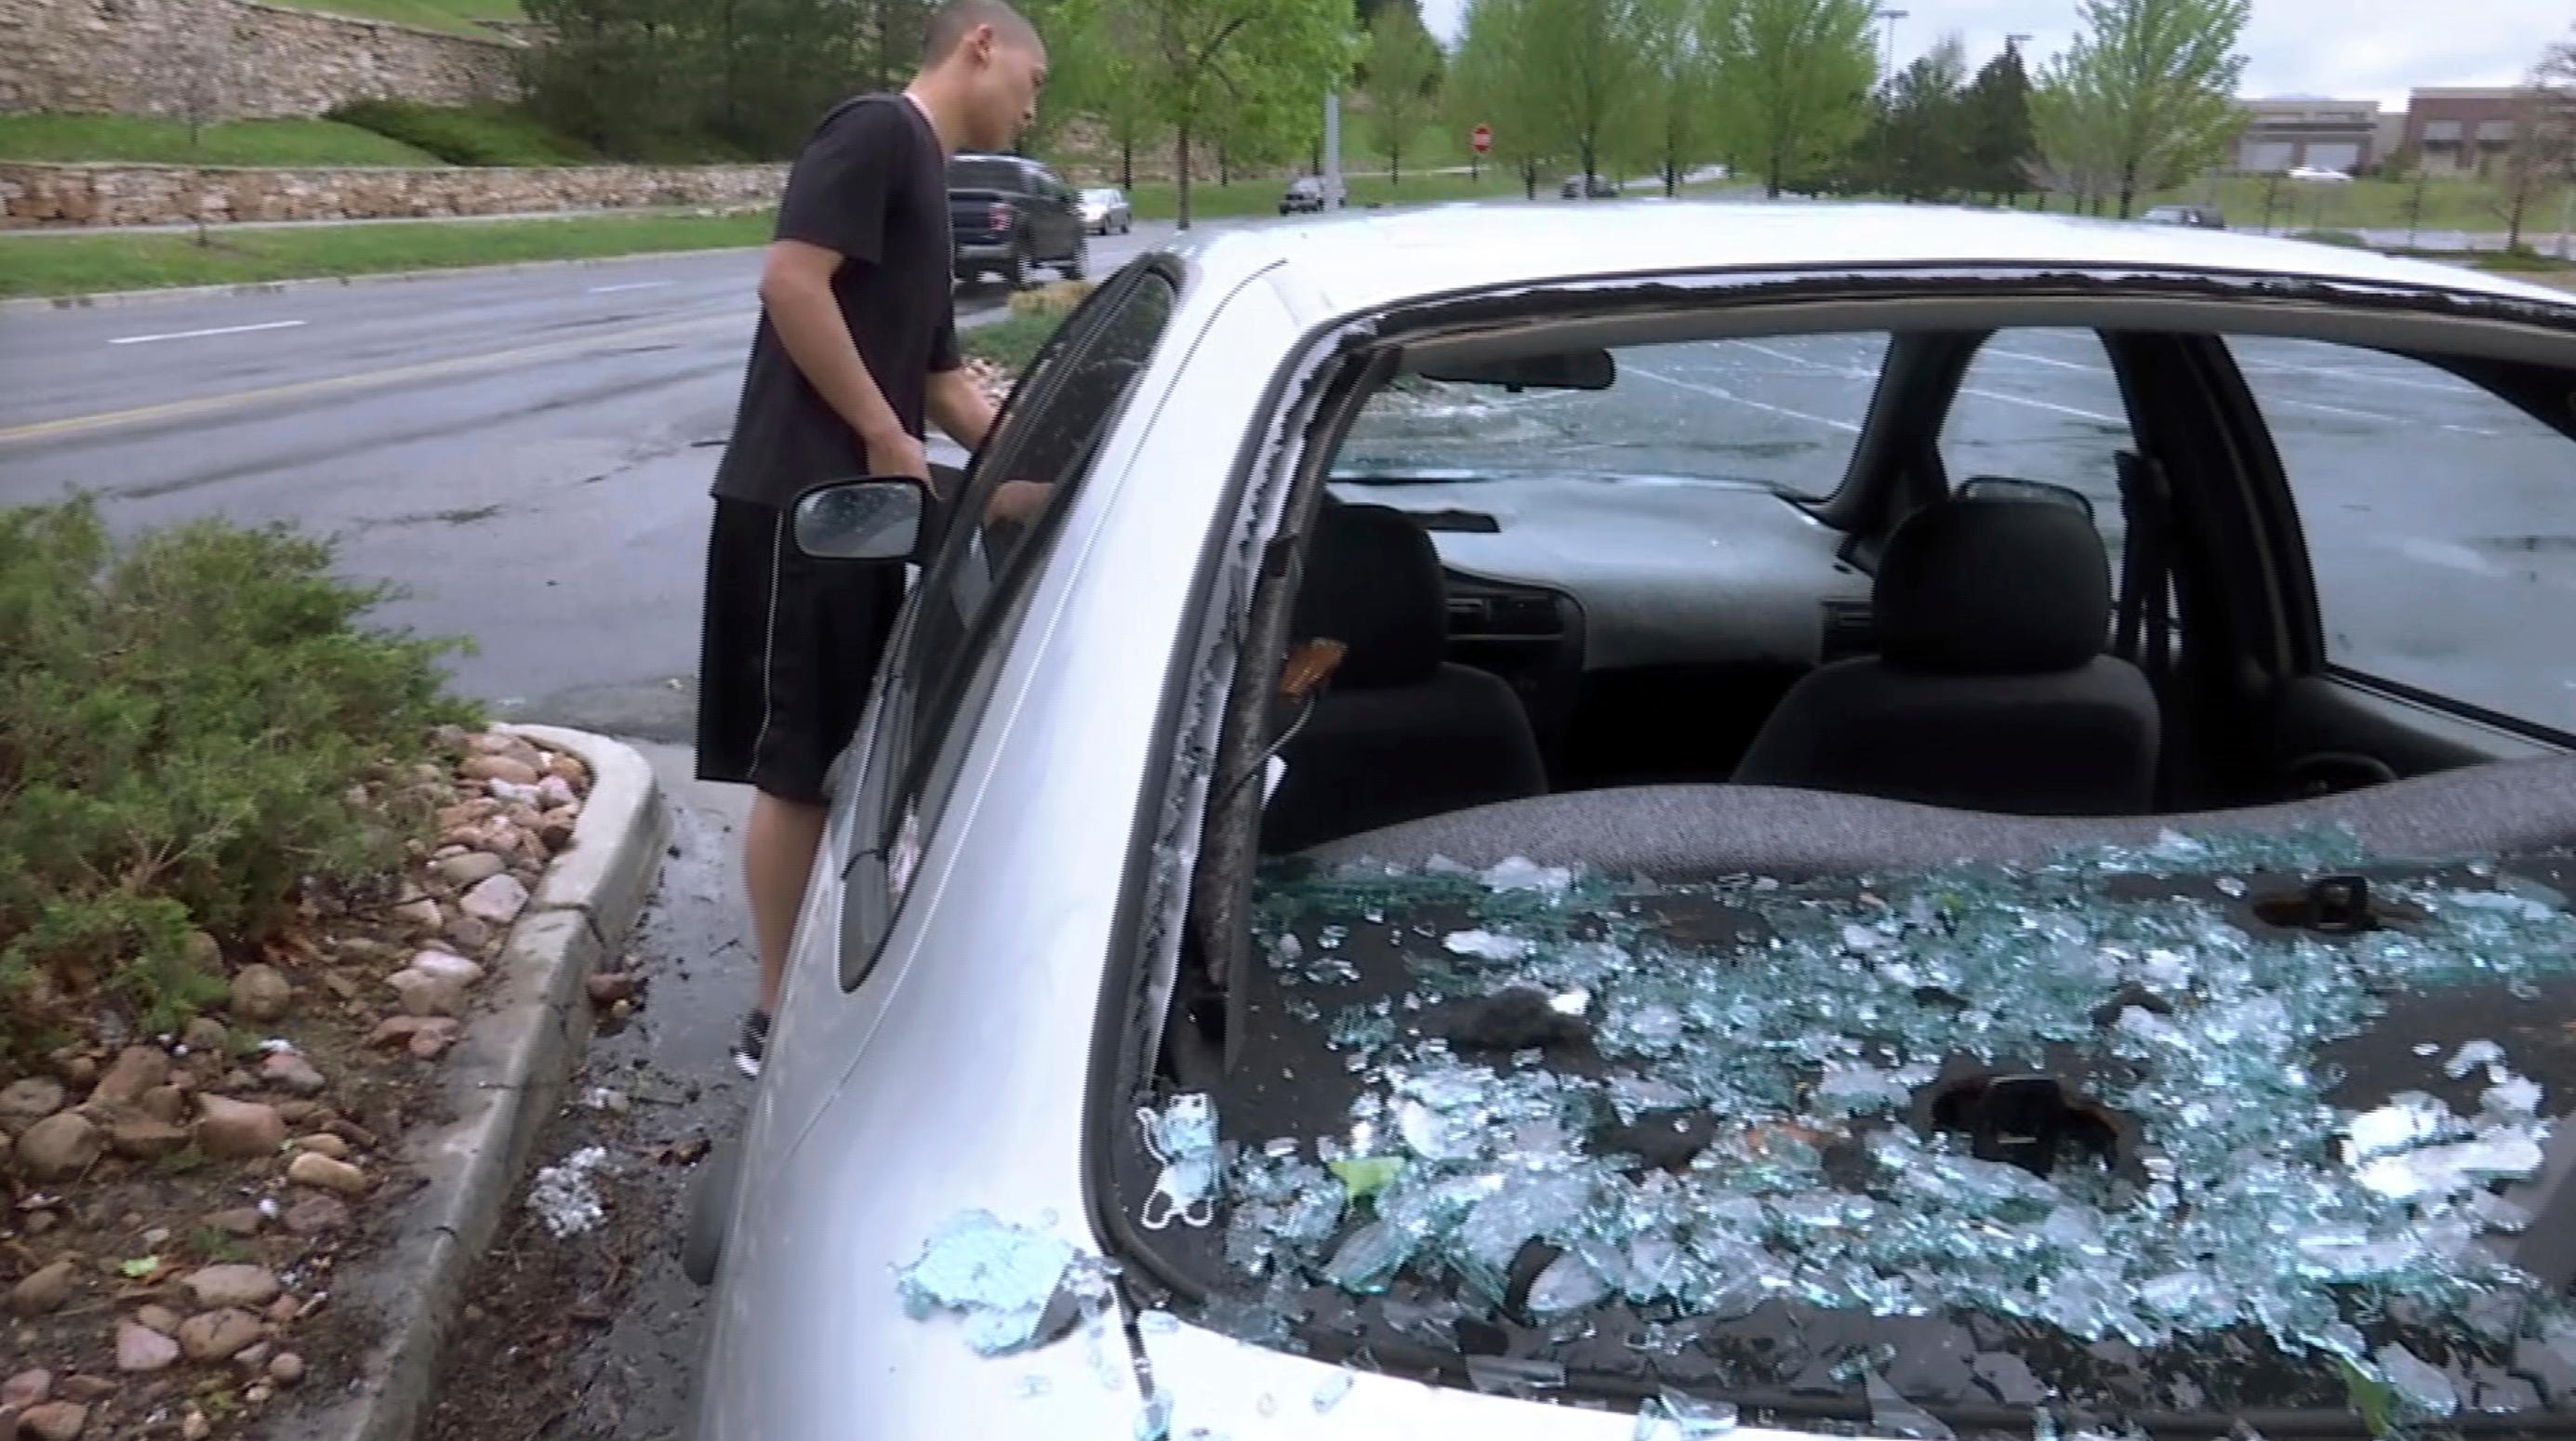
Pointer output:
x,y
525,453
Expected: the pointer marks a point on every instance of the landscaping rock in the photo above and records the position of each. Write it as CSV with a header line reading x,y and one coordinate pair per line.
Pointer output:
x,y
86,1389
555,830
469,868
137,1069
158,1318
504,768
59,1147
609,987
261,993
447,967
54,1421
24,1103
43,1291
299,1113
215,1335
27,1388
164,1103
239,1221
286,1368
468,935
195,1427
218,1287
145,1138
497,902
431,1041
238,1130
288,1070
140,1348
427,995
314,1169
75,1068
316,1214
282,1311
416,910
324,1144
556,793
206,1034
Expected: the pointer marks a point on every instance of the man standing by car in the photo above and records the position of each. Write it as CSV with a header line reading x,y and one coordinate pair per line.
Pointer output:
x,y
856,348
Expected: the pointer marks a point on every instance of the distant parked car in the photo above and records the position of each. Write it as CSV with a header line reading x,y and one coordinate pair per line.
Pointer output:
x,y
1304,196
2198,217
1011,214
1578,187
1105,211
2320,175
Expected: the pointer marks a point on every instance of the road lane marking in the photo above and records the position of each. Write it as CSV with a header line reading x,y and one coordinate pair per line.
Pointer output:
x,y
1853,374
630,285
203,405
198,334
1718,394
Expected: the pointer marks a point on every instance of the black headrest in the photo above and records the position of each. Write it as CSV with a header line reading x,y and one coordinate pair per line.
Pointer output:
x,y
1981,586
1373,583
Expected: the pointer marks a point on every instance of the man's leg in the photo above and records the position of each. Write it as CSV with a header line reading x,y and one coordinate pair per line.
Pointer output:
x,y
778,846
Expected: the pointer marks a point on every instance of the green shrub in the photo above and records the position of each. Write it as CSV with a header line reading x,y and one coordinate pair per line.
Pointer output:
x,y
467,135
2344,238
1012,341
185,722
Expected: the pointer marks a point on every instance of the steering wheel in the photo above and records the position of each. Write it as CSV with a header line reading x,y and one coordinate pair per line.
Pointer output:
x,y
2326,773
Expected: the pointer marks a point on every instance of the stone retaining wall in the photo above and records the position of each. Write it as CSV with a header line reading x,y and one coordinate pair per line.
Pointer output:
x,y
233,59
62,196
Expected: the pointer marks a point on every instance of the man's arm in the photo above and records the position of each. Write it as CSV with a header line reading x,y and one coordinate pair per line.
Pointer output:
x,y
796,291
958,407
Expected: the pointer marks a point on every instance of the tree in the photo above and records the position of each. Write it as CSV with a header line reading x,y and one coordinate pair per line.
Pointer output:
x,y
1585,96
1681,71
1090,73
1922,126
2147,92
1196,59
1797,74
2002,145
1496,80
1401,64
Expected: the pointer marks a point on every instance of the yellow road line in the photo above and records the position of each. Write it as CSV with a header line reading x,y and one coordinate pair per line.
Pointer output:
x,y
327,385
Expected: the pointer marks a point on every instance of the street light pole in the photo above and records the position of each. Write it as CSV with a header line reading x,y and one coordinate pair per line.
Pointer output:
x,y
1891,17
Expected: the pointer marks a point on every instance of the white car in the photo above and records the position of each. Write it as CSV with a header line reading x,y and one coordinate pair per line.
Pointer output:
x,y
2320,175
1106,211
1814,819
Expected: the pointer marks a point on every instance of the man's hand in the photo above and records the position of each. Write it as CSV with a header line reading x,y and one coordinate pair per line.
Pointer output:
x,y
1016,501
898,454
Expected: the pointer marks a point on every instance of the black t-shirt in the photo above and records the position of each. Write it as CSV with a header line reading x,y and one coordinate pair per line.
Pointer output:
x,y
871,185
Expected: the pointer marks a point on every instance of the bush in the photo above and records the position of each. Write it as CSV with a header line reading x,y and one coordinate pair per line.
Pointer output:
x,y
185,728
2344,238
1011,342
1056,300
467,135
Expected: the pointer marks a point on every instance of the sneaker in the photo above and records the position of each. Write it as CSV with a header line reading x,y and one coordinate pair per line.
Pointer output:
x,y
752,1044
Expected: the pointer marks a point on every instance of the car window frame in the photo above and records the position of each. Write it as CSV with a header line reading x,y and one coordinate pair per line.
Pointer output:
x,y
902,752
2302,604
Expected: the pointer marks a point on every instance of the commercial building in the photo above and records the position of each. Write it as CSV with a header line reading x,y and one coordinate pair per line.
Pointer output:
x,y
2463,130
2296,131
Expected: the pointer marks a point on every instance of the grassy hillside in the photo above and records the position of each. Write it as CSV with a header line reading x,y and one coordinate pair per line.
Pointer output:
x,y
143,140
454,15
2471,205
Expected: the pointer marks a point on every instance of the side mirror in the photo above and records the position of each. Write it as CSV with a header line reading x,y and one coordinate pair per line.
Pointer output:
x,y
874,519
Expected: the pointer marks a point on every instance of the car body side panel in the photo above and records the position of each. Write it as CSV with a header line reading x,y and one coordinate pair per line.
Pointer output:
x,y
952,1078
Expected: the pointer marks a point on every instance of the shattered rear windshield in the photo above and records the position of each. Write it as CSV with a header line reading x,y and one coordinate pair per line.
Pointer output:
x,y
2231,1128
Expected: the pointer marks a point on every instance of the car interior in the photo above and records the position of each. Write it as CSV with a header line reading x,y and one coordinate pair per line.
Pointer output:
x,y
1968,641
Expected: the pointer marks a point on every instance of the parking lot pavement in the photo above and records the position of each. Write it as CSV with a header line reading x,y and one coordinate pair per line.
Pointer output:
x,y
2441,523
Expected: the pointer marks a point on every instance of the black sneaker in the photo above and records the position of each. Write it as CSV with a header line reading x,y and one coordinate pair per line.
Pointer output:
x,y
753,1043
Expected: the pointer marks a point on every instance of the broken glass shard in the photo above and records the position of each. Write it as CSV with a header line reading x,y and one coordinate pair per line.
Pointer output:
x,y
2448,1170
1890,1414
1522,874
1676,1417
1000,1277
2409,1119
2472,1056
1367,1263
2423,1388
1154,1423
1486,946
1330,1391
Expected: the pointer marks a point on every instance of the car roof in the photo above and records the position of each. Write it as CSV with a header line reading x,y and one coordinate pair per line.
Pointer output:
x,y
1349,263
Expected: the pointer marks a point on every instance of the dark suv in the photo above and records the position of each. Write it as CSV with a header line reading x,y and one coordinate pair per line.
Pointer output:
x,y
1010,214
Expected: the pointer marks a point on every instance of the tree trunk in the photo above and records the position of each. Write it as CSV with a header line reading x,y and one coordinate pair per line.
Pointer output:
x,y
1394,163
1529,179
1127,163
1224,173
2518,191
2128,187
1672,176
1181,177
1591,158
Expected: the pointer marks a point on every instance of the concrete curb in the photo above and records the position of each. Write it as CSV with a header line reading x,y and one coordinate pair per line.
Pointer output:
x,y
503,1080
108,299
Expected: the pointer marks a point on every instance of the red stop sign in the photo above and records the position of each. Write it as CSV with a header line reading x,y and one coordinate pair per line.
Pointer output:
x,y
1482,137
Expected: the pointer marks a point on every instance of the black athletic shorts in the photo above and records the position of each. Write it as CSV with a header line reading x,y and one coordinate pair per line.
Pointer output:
x,y
787,652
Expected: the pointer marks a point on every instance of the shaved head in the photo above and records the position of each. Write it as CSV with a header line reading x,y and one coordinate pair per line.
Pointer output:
x,y
957,19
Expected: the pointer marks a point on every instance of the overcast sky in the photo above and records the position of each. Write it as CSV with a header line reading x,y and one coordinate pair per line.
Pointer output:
x,y
2348,49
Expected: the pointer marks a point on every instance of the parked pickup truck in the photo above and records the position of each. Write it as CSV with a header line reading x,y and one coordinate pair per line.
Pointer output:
x,y
1009,215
